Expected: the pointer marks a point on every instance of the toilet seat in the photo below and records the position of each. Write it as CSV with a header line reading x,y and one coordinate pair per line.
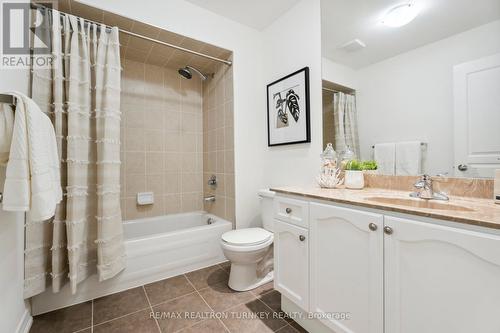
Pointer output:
x,y
247,237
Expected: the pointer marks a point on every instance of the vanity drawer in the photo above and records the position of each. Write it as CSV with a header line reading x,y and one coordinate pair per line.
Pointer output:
x,y
292,211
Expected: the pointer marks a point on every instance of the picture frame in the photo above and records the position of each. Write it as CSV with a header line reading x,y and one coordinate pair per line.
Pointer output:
x,y
288,115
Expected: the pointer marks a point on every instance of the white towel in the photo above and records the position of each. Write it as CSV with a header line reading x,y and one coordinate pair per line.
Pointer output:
x,y
32,181
408,158
6,128
385,156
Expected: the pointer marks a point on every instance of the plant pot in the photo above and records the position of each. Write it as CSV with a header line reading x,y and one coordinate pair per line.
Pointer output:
x,y
354,179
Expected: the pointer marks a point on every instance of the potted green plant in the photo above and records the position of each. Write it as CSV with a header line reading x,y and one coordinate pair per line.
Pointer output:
x,y
354,176
369,167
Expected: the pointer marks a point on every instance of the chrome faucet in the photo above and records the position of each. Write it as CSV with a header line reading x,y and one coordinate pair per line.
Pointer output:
x,y
425,189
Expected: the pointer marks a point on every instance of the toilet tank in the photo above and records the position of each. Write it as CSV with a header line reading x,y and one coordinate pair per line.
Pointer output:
x,y
266,209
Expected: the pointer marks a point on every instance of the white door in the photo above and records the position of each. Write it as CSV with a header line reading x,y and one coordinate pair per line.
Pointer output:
x,y
440,279
291,262
477,117
347,268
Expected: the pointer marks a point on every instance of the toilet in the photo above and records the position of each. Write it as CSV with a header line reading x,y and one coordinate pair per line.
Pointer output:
x,y
246,248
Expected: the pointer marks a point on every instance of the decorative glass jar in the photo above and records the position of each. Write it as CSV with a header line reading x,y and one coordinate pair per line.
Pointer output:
x,y
329,176
345,156
328,160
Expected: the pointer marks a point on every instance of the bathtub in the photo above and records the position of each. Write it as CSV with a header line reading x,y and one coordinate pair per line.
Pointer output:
x,y
157,248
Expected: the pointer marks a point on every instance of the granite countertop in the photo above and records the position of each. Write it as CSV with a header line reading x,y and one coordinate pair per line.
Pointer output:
x,y
473,211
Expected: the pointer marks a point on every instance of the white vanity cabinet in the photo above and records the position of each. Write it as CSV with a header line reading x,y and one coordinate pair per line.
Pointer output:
x,y
291,262
389,272
346,272
440,279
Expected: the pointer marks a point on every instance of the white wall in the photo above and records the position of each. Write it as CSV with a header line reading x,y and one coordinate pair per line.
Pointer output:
x,y
410,96
13,309
291,43
339,74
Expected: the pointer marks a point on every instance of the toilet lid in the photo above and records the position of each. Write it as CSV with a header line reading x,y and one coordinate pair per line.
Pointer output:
x,y
247,236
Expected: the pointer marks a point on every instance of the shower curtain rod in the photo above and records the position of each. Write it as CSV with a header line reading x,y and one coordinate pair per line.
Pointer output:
x,y
336,91
422,144
180,48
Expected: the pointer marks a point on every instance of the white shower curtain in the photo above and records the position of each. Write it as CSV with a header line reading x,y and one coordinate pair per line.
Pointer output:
x,y
345,122
81,92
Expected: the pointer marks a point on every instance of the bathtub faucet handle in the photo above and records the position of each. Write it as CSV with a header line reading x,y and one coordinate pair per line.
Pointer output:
x,y
212,181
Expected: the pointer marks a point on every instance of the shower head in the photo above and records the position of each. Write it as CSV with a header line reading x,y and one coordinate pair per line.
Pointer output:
x,y
186,73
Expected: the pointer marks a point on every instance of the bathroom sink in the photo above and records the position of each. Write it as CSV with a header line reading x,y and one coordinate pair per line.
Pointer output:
x,y
419,203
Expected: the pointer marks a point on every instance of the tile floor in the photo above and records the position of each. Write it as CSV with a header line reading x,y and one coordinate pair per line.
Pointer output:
x,y
167,306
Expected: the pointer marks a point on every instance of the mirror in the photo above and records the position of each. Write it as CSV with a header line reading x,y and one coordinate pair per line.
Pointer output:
x,y
420,95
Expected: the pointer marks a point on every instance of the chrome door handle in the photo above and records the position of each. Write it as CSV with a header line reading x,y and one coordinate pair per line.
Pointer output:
x,y
388,230
372,226
288,210
462,167
302,238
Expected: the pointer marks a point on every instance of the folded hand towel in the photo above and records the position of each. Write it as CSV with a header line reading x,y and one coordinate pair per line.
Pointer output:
x,y
385,156
33,175
408,158
6,127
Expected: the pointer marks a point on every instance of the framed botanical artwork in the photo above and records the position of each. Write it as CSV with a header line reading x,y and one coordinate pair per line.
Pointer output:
x,y
288,109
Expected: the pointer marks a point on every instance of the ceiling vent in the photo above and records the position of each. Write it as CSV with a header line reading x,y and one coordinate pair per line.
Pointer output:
x,y
353,45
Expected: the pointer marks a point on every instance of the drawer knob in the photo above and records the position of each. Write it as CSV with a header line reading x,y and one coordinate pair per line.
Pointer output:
x,y
288,210
302,238
388,230
372,226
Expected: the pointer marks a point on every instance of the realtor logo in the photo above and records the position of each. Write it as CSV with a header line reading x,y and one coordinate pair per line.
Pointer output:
x,y
25,35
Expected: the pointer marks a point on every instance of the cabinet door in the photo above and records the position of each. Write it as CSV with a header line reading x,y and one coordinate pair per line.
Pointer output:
x,y
291,262
347,268
440,279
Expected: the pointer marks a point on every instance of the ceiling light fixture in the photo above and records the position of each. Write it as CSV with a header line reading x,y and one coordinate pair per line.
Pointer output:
x,y
400,15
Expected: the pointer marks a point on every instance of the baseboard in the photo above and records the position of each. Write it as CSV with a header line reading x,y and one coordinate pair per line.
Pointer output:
x,y
25,323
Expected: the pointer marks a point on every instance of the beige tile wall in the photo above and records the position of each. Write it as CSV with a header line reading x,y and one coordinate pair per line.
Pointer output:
x,y
328,119
162,140
218,140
